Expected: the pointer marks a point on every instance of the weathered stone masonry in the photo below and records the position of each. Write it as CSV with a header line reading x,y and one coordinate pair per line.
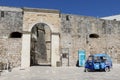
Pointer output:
x,y
90,34
11,21
72,32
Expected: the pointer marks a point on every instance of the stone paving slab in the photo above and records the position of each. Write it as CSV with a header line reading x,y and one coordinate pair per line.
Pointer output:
x,y
60,73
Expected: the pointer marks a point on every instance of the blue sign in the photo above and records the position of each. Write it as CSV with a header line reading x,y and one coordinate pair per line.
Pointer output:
x,y
81,57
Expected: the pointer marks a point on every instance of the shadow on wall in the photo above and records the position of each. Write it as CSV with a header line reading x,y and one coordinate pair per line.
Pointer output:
x,y
77,63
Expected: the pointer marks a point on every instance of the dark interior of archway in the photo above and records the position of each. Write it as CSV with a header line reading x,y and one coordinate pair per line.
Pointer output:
x,y
39,51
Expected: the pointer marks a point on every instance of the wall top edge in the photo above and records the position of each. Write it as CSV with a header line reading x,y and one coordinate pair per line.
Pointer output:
x,y
5,8
41,10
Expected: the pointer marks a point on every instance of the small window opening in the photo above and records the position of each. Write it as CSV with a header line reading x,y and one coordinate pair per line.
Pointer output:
x,y
114,19
93,36
65,55
2,13
15,35
67,18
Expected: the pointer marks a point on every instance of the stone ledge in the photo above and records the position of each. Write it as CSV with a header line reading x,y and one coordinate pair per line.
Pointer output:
x,y
41,10
4,8
26,32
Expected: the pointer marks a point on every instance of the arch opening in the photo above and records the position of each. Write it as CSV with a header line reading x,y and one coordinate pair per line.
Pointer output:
x,y
15,35
93,36
40,45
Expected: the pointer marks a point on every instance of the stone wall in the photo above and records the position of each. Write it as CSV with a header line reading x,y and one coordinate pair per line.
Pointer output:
x,y
76,33
11,21
10,52
90,34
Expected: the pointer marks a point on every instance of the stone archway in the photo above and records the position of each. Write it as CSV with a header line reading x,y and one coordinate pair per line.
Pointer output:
x,y
35,16
40,45
26,47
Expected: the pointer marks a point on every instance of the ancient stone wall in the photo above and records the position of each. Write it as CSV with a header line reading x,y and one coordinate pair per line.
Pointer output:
x,y
76,33
10,52
11,21
90,34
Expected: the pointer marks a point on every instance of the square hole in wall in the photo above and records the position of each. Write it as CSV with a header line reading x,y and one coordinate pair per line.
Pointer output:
x,y
65,55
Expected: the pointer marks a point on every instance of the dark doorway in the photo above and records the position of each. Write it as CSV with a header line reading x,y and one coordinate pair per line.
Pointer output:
x,y
41,45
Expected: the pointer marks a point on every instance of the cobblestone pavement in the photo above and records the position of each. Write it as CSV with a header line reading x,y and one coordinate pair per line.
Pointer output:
x,y
60,73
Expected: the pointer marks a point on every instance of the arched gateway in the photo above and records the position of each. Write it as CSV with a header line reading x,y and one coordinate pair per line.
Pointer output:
x,y
40,51
40,40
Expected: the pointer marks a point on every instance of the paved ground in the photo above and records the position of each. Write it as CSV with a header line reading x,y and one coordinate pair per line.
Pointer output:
x,y
60,73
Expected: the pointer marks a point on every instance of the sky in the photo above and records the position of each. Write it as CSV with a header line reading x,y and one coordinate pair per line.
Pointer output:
x,y
95,8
